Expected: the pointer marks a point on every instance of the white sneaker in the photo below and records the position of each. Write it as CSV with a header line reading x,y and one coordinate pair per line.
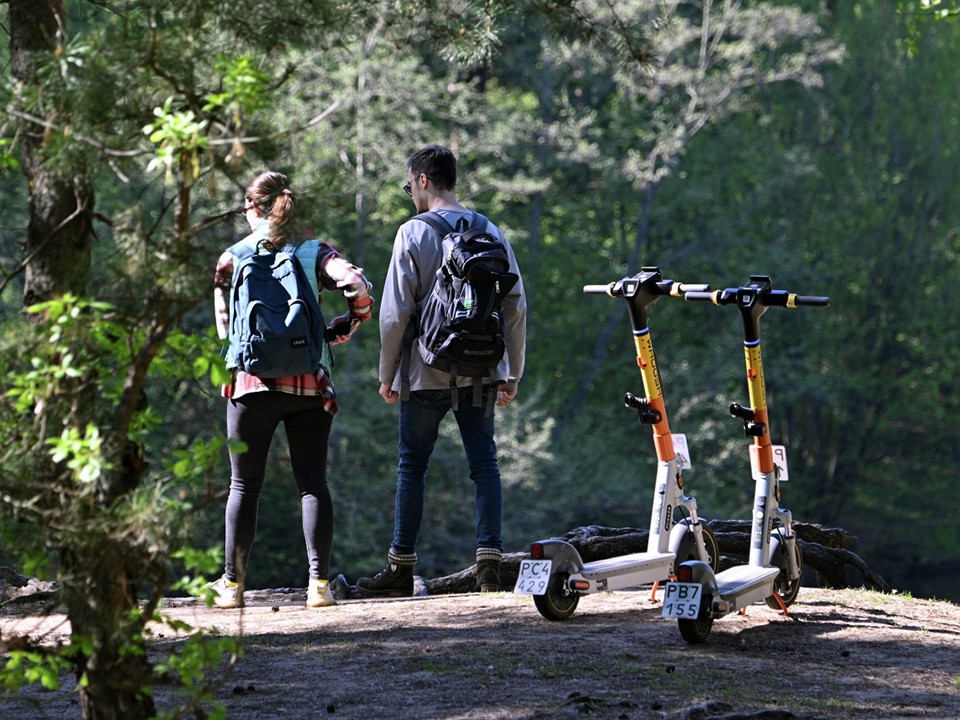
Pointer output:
x,y
319,593
227,594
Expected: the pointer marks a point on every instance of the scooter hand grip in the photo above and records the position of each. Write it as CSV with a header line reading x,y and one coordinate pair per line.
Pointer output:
x,y
814,300
694,287
598,289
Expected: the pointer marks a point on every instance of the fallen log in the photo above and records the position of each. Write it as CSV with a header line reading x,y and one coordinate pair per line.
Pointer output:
x,y
825,551
810,532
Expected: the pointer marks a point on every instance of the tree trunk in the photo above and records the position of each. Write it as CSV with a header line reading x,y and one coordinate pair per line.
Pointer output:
x,y
60,231
99,602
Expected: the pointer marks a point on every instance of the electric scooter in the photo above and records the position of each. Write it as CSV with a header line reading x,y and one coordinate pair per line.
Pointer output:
x,y
555,574
772,574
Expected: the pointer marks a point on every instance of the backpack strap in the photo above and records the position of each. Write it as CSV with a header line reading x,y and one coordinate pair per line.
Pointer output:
x,y
306,254
454,393
479,222
437,221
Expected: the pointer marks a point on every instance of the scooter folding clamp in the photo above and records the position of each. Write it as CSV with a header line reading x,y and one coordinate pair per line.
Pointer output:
x,y
750,428
642,406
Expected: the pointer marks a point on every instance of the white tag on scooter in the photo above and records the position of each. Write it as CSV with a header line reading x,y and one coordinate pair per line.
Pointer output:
x,y
779,461
682,451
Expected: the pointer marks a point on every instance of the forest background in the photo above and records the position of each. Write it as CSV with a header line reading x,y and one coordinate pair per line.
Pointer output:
x,y
817,142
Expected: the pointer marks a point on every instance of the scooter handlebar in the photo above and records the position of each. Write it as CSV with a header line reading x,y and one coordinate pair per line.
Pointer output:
x,y
774,298
700,292
667,287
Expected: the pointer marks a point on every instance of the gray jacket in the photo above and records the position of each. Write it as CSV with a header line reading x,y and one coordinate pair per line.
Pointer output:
x,y
417,255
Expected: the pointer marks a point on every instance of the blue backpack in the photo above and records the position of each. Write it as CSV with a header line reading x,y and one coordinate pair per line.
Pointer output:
x,y
276,326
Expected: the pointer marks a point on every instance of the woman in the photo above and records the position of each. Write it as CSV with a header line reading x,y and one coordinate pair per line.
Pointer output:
x,y
305,404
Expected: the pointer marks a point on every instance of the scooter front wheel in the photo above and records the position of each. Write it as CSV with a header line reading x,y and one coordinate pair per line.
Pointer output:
x,y
697,631
787,589
688,546
557,603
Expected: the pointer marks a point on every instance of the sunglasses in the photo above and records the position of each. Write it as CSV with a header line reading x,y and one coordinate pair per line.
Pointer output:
x,y
408,188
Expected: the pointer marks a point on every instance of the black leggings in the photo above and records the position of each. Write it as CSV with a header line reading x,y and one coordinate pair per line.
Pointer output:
x,y
253,419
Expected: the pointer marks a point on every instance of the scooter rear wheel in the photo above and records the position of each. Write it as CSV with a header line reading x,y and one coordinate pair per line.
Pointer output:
x,y
786,588
697,631
557,603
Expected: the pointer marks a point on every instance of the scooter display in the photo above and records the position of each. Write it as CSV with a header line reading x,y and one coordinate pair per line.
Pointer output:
x,y
555,574
699,595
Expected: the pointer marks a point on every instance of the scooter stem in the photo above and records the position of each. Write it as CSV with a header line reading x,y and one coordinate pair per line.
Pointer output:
x,y
640,292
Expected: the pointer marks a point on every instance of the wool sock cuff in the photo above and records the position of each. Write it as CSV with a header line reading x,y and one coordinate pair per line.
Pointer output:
x,y
485,554
399,558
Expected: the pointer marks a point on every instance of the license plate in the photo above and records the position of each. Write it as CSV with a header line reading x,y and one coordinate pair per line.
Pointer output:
x,y
682,600
533,577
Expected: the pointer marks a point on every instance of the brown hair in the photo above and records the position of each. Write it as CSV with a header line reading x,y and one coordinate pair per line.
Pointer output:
x,y
437,163
271,194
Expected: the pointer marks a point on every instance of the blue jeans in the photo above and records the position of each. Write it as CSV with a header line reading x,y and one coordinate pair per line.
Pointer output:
x,y
420,418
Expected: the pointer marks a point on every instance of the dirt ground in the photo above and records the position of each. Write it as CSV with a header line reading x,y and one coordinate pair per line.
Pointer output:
x,y
839,654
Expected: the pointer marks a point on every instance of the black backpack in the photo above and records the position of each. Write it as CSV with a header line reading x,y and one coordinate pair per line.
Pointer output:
x,y
459,328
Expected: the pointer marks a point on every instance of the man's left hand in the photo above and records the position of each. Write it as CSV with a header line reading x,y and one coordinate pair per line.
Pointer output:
x,y
506,394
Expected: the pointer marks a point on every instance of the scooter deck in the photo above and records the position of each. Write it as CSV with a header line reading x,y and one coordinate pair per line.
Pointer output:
x,y
745,584
628,565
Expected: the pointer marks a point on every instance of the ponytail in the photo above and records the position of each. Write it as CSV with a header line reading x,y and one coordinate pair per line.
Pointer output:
x,y
270,192
280,212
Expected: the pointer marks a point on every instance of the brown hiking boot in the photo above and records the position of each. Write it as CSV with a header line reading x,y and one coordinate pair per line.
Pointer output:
x,y
488,576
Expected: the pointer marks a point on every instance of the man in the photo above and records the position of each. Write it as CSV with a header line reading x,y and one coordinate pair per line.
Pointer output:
x,y
417,255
